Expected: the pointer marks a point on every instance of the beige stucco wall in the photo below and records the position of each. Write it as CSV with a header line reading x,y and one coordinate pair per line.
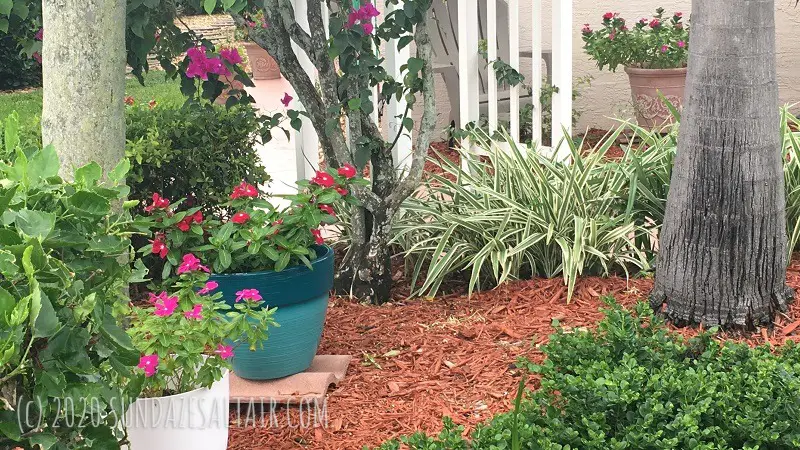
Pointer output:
x,y
609,94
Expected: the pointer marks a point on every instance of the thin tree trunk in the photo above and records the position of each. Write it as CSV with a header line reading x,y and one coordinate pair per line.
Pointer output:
x,y
723,244
83,65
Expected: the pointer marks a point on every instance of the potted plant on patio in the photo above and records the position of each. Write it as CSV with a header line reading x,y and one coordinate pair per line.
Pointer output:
x,y
262,64
654,52
186,340
278,252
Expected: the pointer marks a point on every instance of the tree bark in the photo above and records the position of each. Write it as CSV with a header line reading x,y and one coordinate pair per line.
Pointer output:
x,y
83,65
723,243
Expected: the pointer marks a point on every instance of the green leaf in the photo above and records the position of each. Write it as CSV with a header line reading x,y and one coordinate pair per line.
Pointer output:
x,y
46,323
209,5
89,174
225,258
44,164
3,24
415,65
120,171
44,440
36,224
89,203
354,104
8,264
7,303
20,10
116,334
6,6
11,129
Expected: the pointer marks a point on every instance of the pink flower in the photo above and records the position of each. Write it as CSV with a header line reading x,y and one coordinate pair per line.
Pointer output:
x,y
201,65
190,263
664,49
643,20
159,202
231,55
612,35
149,364
39,34
347,171
363,16
240,218
655,23
153,298
586,29
678,14
224,351
368,27
210,286
196,313
286,99
244,190
248,294
159,246
608,16
328,209
165,306
186,223
318,236
342,191
37,57
323,179
681,44
251,24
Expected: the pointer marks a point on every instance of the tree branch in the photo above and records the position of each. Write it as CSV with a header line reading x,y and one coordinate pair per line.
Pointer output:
x,y
296,32
428,123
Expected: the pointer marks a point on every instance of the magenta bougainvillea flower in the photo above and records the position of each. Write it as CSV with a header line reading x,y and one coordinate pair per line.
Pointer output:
x,y
240,218
224,351
328,209
363,16
286,99
347,171
318,236
159,202
200,65
148,363
159,246
244,190
248,294
210,286
165,306
196,313
323,179
39,36
190,263
231,55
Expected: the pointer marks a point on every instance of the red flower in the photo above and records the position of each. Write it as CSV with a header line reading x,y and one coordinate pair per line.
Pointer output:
x,y
586,29
37,57
286,99
655,23
678,14
129,100
342,191
244,190
152,104
185,224
347,171
159,246
240,217
608,16
39,34
159,202
323,179
327,209
318,236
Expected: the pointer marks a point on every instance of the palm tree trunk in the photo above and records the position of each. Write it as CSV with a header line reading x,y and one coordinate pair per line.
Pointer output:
x,y
723,243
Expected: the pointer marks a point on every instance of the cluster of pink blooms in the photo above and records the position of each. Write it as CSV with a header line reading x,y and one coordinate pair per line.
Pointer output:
x,y
200,65
248,294
191,263
363,16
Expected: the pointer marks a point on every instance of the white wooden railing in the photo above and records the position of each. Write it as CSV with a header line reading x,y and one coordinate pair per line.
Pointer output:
x,y
470,66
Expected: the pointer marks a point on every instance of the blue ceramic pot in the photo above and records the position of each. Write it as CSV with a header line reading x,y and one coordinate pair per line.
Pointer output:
x,y
301,296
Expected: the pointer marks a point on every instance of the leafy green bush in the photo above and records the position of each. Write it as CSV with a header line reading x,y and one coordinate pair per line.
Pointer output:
x,y
196,153
62,352
632,384
522,214
17,70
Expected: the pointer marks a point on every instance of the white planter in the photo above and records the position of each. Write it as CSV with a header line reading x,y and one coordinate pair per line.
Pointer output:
x,y
196,420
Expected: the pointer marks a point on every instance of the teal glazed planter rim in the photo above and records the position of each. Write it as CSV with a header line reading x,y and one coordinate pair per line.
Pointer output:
x,y
321,258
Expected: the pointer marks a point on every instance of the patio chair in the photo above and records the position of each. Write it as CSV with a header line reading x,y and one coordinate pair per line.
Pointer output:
x,y
444,37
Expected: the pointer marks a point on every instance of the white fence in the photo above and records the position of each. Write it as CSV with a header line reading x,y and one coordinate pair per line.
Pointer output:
x,y
457,28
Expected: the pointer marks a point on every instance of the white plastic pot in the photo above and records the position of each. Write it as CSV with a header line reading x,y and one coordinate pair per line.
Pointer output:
x,y
196,420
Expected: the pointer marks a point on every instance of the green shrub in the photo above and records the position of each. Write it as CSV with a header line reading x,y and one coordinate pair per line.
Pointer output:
x,y
17,70
632,384
62,287
522,214
197,153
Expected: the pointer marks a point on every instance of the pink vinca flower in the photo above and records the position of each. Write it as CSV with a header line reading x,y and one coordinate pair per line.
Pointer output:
x,y
347,171
191,263
224,351
159,202
586,29
328,209
342,191
664,49
323,179
318,236
244,190
655,23
231,55
608,16
248,294
166,306
240,218
196,313
37,57
153,298
210,286
148,363
159,246
681,44
39,36
286,99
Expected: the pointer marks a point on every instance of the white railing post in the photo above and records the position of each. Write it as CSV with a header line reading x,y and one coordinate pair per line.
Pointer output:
x,y
468,65
491,56
562,77
536,73
306,142
513,46
393,117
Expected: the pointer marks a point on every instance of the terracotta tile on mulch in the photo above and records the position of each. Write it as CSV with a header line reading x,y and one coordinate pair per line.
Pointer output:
x,y
417,361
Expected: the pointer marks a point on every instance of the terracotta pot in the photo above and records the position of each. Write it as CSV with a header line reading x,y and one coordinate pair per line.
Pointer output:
x,y
651,112
262,64
230,85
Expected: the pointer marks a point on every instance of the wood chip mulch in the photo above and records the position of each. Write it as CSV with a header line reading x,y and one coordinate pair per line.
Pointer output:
x,y
419,360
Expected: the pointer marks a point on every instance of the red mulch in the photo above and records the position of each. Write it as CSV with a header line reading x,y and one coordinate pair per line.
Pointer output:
x,y
452,356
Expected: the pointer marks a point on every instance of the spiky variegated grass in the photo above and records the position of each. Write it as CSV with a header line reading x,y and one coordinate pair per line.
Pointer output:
x,y
521,213
790,130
